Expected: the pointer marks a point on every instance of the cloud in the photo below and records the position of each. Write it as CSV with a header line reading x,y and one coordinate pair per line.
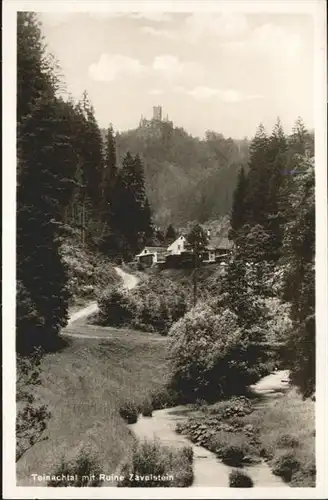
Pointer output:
x,y
205,93
110,66
223,26
149,30
155,16
268,40
156,92
54,19
171,68
102,15
197,26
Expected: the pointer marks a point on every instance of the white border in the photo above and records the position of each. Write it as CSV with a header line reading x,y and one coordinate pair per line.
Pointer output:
x,y
315,7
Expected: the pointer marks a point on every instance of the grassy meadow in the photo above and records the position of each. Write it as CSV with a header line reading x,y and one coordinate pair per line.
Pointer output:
x,y
84,385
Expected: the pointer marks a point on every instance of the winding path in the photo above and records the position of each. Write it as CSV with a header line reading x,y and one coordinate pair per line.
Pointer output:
x,y
129,282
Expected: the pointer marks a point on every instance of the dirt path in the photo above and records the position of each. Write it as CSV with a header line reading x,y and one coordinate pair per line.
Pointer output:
x,y
129,282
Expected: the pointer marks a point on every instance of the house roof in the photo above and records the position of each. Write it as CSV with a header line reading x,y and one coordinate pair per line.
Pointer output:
x,y
156,249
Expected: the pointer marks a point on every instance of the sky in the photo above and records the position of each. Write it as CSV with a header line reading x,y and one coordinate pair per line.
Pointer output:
x,y
225,72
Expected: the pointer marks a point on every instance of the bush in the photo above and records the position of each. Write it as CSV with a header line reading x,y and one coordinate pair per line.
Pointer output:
x,y
115,307
188,452
154,305
85,466
163,399
232,455
129,412
238,479
211,357
158,304
147,409
287,441
156,466
285,465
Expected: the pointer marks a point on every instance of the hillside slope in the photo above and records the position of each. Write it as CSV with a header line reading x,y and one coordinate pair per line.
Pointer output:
x,y
187,178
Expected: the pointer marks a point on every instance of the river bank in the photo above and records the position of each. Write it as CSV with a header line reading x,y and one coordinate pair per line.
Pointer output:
x,y
243,434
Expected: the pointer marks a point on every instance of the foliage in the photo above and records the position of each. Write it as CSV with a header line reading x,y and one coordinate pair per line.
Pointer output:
x,y
238,211
285,465
239,479
131,215
211,356
116,307
45,180
153,465
170,234
83,470
32,417
153,305
129,412
299,278
159,303
187,178
89,271
196,241
232,455
147,410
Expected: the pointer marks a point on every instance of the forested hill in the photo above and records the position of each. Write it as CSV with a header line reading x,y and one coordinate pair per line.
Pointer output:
x,y
186,178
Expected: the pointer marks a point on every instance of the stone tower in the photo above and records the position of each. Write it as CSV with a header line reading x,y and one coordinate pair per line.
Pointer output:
x,y
157,113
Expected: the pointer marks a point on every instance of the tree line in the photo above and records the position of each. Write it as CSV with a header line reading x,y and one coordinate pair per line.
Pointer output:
x,y
66,177
273,227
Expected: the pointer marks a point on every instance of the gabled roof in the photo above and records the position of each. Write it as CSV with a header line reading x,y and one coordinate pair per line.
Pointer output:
x,y
156,249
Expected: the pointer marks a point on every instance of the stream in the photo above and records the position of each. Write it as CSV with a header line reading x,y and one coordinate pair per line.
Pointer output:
x,y
209,471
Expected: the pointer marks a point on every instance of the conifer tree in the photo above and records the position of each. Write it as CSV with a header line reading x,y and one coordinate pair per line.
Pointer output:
x,y
299,286
131,209
258,179
45,181
170,234
238,213
34,73
197,241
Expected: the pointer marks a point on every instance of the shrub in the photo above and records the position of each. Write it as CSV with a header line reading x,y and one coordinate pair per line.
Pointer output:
x,y
163,399
129,412
115,307
285,465
153,465
85,466
188,452
287,441
158,304
238,479
232,455
211,357
147,409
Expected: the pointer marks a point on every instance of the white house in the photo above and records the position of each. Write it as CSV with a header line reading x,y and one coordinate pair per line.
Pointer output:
x,y
178,246
151,255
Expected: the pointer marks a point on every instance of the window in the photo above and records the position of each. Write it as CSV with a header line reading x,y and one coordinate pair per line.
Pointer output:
x,y
179,247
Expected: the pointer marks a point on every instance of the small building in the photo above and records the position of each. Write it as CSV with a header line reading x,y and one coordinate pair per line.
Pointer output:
x,y
151,255
178,246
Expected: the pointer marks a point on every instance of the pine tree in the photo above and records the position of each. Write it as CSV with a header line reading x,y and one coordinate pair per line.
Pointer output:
x,y
258,179
197,241
34,74
299,286
45,182
277,161
238,213
131,209
170,234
